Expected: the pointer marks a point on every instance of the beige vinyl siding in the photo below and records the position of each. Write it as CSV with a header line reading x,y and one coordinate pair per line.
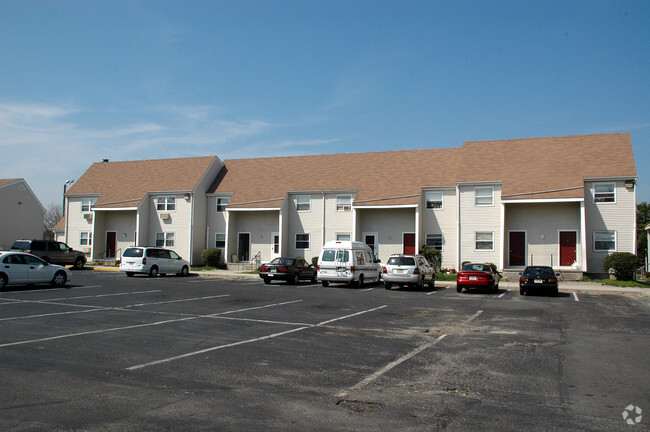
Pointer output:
x,y
619,217
473,219
542,223
76,223
260,224
179,223
390,224
441,221
21,214
336,221
122,222
305,222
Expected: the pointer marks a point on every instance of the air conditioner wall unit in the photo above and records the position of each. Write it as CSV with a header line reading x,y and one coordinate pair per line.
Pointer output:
x,y
88,216
164,216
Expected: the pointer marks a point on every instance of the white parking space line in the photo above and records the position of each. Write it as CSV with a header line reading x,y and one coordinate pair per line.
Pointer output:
x,y
156,323
388,367
368,289
501,296
436,290
575,296
248,341
473,317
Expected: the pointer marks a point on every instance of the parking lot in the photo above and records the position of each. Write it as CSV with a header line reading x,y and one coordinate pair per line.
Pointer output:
x,y
113,353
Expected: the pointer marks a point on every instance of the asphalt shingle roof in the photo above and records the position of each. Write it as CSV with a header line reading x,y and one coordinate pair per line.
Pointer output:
x,y
125,184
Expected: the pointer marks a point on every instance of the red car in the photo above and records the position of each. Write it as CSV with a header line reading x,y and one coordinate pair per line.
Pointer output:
x,y
475,275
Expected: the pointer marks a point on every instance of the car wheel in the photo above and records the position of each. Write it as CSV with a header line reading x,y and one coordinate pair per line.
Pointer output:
x,y
432,283
153,271
295,279
59,279
459,288
184,271
314,279
522,291
267,280
421,284
3,282
388,285
129,274
79,263
325,283
360,282
556,292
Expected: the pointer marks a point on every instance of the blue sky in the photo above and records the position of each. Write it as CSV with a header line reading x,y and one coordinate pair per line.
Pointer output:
x,y
128,80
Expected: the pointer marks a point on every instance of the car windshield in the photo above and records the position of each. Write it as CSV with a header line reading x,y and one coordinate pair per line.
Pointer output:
x,y
283,261
539,271
404,261
476,267
133,253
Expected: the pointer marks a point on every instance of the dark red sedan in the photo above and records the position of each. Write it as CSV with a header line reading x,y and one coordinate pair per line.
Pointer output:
x,y
474,275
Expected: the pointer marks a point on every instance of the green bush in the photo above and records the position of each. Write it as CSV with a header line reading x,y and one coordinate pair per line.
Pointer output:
x,y
211,257
314,261
623,264
434,256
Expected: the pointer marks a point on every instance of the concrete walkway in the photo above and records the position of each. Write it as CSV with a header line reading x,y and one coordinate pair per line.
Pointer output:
x,y
565,286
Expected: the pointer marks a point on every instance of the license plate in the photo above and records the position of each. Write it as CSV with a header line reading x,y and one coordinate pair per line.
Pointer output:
x,y
340,269
400,271
539,281
472,278
272,270
130,262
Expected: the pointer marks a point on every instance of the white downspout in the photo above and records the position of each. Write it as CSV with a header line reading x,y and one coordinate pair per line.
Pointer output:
x,y
458,227
583,235
323,233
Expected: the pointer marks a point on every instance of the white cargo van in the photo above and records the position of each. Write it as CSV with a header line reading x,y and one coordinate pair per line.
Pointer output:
x,y
348,262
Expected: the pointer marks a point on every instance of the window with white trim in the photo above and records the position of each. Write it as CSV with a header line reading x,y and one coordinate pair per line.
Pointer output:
x,y
303,202
343,202
434,200
343,237
220,240
302,241
484,196
605,241
222,203
166,203
165,239
604,193
86,238
86,205
484,240
434,241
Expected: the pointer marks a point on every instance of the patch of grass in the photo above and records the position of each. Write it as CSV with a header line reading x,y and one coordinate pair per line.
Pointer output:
x,y
204,268
617,283
445,277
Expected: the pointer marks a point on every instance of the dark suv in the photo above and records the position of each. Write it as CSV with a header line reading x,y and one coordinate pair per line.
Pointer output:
x,y
52,251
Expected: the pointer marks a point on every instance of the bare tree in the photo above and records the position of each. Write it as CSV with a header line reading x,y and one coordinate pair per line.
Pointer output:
x,y
52,216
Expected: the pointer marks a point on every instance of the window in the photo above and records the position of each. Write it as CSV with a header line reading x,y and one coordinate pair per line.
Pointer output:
x,y
220,240
343,202
434,200
605,241
166,203
604,192
165,239
434,241
484,196
343,237
221,204
303,202
86,238
302,241
86,205
484,240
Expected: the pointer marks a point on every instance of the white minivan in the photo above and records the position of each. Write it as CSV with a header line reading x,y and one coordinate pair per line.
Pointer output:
x,y
348,262
153,261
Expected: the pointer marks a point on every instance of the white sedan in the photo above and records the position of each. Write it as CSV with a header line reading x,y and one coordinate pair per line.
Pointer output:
x,y
18,268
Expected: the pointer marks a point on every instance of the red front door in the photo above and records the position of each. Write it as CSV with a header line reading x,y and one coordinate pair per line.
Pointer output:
x,y
409,243
567,247
517,248
111,244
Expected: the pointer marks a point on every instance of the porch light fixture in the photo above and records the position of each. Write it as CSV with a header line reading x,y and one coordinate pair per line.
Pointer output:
x,y
629,184
187,197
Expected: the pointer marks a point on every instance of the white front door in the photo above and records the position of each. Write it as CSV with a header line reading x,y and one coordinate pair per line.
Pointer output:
x,y
275,251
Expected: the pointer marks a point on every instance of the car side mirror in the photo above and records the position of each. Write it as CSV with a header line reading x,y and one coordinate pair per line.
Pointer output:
x,y
520,273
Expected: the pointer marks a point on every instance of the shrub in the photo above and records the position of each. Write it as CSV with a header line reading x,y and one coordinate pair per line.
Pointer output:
x,y
314,261
434,256
211,257
624,264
